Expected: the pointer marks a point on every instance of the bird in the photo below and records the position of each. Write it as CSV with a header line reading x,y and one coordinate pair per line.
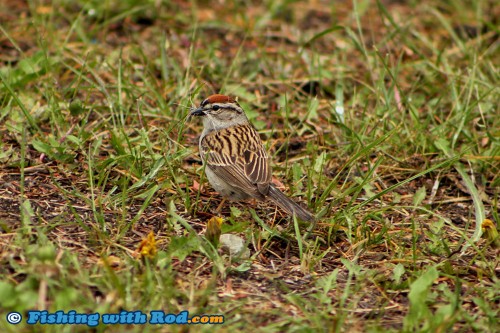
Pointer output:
x,y
235,159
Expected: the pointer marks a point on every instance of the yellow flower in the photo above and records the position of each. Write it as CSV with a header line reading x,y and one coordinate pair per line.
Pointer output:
x,y
147,248
490,232
213,232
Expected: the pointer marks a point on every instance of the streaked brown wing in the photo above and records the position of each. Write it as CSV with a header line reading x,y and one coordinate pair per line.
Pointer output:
x,y
236,154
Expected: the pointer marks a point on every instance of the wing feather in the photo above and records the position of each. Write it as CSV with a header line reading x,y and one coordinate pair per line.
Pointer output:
x,y
237,155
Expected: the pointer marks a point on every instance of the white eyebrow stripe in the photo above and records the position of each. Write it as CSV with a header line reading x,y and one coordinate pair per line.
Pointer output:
x,y
232,106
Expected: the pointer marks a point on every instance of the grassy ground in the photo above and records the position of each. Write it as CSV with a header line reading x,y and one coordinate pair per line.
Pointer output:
x,y
381,117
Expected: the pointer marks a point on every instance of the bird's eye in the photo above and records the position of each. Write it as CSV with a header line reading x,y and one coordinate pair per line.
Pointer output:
x,y
215,107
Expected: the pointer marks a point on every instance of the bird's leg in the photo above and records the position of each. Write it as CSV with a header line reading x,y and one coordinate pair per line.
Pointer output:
x,y
219,208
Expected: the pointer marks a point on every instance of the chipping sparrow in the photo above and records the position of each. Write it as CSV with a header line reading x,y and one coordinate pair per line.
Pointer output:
x,y
236,162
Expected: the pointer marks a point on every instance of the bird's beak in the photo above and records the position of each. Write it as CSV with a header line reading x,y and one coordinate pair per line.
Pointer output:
x,y
197,112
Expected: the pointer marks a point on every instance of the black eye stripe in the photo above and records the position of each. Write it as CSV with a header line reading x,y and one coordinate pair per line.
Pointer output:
x,y
216,108
233,107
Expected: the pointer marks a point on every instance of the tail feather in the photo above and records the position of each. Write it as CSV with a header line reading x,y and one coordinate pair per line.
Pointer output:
x,y
291,207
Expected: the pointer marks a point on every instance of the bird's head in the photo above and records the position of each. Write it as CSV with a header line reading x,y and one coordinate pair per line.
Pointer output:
x,y
220,111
